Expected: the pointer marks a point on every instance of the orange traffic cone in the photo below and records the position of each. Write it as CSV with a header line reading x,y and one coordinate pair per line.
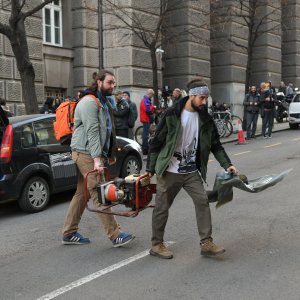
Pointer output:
x,y
241,137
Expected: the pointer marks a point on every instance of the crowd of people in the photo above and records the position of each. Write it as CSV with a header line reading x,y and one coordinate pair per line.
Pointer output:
x,y
262,101
125,110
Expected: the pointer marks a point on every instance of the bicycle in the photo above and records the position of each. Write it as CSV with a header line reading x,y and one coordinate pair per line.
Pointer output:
x,y
234,119
222,121
226,122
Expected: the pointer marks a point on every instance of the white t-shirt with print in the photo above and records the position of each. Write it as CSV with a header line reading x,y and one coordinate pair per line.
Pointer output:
x,y
184,159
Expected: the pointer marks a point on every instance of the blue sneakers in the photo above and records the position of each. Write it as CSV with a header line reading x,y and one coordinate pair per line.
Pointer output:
x,y
122,239
75,238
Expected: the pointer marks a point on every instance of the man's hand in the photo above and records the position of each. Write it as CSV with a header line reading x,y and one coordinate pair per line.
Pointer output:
x,y
99,165
149,174
232,169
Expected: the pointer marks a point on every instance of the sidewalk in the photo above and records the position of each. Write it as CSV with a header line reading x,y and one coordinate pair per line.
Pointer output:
x,y
277,127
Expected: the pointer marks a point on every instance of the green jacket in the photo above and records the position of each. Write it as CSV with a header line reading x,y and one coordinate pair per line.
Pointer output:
x,y
90,128
162,146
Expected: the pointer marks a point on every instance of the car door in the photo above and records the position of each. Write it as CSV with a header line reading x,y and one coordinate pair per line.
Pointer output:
x,y
55,155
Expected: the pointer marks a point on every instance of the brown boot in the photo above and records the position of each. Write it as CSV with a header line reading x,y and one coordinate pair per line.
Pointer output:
x,y
161,251
208,247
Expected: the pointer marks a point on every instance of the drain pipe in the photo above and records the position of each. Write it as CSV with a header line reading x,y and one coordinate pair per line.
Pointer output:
x,y
100,33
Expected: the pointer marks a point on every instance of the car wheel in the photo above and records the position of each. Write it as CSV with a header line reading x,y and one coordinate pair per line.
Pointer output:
x,y
293,126
35,195
131,165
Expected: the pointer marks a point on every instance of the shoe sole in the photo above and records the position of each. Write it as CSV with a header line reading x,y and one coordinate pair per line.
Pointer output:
x,y
125,243
209,253
73,243
159,255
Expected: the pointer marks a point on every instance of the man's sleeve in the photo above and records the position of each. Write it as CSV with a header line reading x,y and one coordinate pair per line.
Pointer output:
x,y
156,144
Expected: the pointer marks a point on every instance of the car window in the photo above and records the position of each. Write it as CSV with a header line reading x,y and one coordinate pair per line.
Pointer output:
x,y
44,132
27,136
297,98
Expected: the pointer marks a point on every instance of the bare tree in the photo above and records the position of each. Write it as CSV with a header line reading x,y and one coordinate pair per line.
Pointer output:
x,y
15,31
149,22
259,17
148,28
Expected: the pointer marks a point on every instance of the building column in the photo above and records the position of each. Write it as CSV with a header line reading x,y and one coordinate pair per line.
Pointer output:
x,y
188,53
85,42
291,43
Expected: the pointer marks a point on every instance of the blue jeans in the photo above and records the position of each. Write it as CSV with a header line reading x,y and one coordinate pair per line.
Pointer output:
x,y
251,124
145,145
268,121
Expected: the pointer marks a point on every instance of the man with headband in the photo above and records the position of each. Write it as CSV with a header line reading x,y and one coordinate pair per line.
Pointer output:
x,y
178,154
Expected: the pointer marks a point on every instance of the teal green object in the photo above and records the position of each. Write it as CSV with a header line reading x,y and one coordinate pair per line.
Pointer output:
x,y
222,192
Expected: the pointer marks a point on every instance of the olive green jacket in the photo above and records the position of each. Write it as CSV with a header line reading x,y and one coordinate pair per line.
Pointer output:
x,y
162,146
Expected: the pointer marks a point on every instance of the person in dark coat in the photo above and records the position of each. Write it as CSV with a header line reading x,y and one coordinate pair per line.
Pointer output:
x,y
48,106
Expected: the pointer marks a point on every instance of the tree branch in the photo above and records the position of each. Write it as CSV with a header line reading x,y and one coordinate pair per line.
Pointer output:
x,y
35,9
5,30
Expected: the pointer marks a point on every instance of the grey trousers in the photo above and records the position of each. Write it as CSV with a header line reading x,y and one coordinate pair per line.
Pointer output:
x,y
168,186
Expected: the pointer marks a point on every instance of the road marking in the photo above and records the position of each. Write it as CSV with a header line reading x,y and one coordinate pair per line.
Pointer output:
x,y
273,145
297,139
241,153
96,275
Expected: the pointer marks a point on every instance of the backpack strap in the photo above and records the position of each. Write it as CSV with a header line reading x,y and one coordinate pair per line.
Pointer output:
x,y
95,99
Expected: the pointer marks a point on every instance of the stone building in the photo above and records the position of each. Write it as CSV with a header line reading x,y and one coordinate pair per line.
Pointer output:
x,y
69,40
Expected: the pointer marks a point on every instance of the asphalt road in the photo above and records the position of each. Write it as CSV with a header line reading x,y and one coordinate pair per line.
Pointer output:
x,y
259,231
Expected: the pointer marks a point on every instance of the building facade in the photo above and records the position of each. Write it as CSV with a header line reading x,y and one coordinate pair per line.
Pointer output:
x,y
69,40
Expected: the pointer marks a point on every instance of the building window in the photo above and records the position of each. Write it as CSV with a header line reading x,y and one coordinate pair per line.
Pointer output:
x,y
52,21
54,92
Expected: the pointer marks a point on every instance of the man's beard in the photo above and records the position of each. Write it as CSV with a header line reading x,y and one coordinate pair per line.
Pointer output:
x,y
197,108
106,93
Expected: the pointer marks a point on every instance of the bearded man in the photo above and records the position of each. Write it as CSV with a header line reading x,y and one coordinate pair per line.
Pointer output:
x,y
178,154
93,143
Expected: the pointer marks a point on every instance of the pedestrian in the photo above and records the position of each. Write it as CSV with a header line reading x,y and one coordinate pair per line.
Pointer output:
x,y
272,88
57,102
133,114
146,118
176,95
3,121
48,106
179,154
268,102
67,99
252,105
282,88
290,90
5,108
93,143
121,114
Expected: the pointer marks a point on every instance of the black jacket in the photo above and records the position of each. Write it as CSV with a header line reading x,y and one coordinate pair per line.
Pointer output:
x,y
121,114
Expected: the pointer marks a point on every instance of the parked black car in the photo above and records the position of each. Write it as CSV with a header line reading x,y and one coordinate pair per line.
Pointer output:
x,y
34,165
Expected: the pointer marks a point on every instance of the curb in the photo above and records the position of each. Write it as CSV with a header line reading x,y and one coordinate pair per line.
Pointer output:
x,y
225,141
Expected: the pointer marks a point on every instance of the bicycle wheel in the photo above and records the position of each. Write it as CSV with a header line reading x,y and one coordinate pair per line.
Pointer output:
x,y
235,123
220,127
228,128
138,135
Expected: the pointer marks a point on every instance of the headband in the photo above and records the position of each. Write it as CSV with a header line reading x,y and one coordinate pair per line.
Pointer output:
x,y
200,90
